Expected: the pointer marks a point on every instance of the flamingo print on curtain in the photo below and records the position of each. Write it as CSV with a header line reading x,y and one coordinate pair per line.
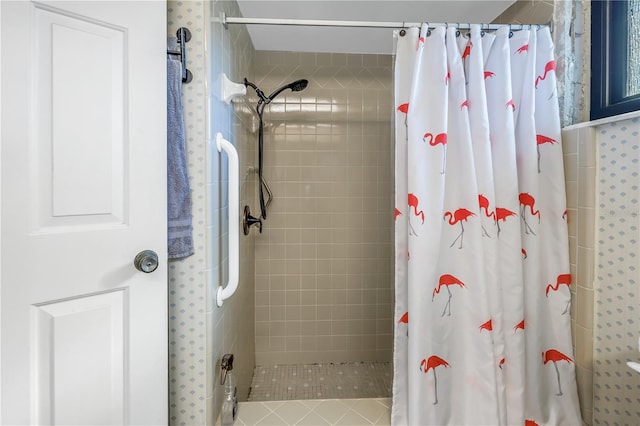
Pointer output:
x,y
482,331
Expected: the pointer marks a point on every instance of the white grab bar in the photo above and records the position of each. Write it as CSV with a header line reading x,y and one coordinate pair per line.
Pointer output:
x,y
234,220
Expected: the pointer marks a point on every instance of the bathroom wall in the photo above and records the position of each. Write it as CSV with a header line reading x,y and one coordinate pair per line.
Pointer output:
x,y
601,162
324,283
230,329
187,289
527,12
579,147
200,332
616,389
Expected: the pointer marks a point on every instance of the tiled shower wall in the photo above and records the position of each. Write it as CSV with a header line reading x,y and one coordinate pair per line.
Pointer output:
x,y
230,328
579,147
324,263
199,331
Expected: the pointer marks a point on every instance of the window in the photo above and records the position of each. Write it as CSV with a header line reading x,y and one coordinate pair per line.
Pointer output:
x,y
615,57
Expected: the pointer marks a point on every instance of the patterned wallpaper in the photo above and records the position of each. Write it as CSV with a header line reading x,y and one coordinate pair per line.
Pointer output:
x,y
617,297
187,290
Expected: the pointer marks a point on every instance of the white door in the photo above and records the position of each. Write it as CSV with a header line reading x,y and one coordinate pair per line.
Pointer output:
x,y
83,190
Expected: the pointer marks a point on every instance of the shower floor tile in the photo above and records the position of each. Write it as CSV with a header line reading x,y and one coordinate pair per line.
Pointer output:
x,y
322,381
343,412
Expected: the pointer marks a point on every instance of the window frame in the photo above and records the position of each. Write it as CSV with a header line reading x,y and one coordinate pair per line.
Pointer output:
x,y
609,65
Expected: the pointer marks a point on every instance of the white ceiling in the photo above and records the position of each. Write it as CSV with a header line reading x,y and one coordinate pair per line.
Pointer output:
x,y
355,40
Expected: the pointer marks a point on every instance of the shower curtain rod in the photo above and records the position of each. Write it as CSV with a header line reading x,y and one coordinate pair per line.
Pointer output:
x,y
226,20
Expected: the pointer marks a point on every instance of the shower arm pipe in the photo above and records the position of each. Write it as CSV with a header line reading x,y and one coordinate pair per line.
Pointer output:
x,y
226,20
227,291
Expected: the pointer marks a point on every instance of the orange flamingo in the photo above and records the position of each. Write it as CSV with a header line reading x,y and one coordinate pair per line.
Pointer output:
x,y
501,363
549,66
511,104
404,108
483,202
530,423
524,253
464,104
413,202
488,74
555,356
432,363
563,279
439,139
397,213
519,326
447,78
527,200
467,50
501,215
486,326
540,140
459,216
523,48
447,281
565,215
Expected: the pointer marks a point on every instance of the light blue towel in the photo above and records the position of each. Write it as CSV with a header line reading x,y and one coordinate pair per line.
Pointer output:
x,y
180,231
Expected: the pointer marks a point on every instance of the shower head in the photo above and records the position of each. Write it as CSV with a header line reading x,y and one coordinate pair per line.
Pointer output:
x,y
295,86
299,85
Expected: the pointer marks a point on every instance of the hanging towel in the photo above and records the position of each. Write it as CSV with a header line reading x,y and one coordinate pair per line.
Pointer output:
x,y
180,231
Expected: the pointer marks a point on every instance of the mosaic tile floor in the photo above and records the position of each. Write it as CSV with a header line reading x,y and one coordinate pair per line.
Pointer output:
x,y
322,381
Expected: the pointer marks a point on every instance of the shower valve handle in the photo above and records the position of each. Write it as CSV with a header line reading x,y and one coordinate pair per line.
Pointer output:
x,y
248,221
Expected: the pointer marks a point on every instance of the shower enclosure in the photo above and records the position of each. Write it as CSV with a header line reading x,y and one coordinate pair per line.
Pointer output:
x,y
316,286
324,262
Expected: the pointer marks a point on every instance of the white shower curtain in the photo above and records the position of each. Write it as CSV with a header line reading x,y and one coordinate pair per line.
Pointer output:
x,y
482,324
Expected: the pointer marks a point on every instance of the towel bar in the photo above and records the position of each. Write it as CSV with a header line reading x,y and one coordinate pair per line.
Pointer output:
x,y
184,35
234,220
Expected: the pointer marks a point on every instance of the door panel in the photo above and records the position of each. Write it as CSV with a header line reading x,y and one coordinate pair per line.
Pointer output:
x,y
79,63
80,359
83,190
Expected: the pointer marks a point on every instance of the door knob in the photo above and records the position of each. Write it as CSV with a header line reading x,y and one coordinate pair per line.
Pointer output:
x,y
146,261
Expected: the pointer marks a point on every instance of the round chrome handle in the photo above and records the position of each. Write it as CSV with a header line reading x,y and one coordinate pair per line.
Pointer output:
x,y
146,261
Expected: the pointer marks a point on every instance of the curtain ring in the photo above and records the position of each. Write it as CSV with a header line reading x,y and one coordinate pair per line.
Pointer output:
x,y
510,31
428,30
403,31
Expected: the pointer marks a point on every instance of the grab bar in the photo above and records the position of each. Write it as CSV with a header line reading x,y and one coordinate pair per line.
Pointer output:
x,y
234,220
